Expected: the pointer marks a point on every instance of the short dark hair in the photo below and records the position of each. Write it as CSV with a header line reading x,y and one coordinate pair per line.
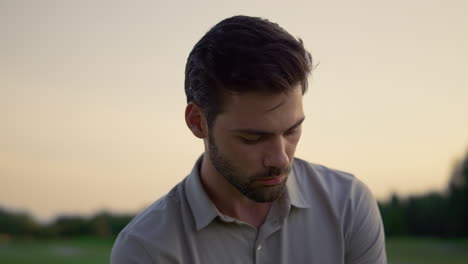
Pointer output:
x,y
243,54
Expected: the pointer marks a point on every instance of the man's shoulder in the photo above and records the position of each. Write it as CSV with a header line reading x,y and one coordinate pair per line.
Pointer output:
x,y
320,183
327,178
151,233
159,217
353,208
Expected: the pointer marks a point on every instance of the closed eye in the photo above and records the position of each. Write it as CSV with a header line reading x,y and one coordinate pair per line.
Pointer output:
x,y
292,132
250,136
251,139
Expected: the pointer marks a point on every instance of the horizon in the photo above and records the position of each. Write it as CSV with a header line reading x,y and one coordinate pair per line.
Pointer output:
x,y
92,98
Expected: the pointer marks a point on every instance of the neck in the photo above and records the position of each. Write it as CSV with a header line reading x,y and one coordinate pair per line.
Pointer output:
x,y
228,200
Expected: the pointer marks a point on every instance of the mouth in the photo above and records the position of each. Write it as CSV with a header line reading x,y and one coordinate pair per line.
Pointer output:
x,y
271,180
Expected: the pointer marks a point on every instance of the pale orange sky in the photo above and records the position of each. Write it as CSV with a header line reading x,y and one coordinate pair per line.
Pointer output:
x,y
92,100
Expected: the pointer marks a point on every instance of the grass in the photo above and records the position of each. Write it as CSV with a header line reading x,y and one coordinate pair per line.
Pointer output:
x,y
80,250
94,250
427,251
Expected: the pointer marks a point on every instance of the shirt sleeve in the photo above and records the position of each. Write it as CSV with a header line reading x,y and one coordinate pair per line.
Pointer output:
x,y
364,237
127,250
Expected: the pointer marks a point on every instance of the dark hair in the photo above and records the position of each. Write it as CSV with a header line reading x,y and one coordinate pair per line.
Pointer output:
x,y
242,54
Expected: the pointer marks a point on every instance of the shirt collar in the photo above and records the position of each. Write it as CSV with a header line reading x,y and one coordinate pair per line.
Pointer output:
x,y
203,209
295,192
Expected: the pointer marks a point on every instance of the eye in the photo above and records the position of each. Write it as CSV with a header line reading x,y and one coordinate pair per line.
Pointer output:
x,y
292,132
251,139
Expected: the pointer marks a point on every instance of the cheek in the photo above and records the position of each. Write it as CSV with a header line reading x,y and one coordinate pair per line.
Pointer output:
x,y
291,149
250,153
292,144
248,156
239,152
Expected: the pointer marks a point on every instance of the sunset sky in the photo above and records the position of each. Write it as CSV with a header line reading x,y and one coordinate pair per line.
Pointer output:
x,y
92,99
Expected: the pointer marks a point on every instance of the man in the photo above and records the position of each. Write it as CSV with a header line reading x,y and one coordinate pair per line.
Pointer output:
x,y
248,199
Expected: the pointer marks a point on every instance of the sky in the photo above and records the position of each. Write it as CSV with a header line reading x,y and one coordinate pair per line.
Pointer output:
x,y
92,99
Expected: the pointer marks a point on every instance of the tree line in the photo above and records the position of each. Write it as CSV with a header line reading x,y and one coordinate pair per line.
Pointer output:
x,y
432,214
436,214
22,225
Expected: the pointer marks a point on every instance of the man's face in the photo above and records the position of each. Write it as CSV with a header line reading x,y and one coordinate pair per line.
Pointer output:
x,y
252,143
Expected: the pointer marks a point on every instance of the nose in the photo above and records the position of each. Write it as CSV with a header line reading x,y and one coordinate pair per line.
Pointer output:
x,y
276,154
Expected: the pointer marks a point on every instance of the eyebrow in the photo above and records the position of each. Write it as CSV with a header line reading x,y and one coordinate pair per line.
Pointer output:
x,y
265,133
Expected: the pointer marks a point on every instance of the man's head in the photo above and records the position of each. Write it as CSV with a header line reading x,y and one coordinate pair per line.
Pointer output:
x,y
244,83
243,54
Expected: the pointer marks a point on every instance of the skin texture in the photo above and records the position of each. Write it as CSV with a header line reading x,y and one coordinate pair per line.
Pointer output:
x,y
248,151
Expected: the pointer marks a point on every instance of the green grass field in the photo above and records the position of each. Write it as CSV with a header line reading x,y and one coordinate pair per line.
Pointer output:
x,y
427,251
84,250
90,251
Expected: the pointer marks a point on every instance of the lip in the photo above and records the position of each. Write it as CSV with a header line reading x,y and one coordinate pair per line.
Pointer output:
x,y
271,181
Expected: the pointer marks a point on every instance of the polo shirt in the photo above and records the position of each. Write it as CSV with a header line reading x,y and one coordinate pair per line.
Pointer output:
x,y
325,216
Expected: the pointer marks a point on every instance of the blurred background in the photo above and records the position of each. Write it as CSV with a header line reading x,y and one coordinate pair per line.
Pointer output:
x,y
92,105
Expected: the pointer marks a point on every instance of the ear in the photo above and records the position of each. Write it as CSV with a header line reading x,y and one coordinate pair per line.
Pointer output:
x,y
196,120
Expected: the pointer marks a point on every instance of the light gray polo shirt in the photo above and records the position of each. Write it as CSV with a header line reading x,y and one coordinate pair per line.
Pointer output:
x,y
326,217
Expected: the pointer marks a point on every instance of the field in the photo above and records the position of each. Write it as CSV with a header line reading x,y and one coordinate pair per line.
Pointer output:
x,y
427,251
84,250
90,251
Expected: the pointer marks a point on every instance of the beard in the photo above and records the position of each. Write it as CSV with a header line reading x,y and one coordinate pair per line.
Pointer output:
x,y
245,184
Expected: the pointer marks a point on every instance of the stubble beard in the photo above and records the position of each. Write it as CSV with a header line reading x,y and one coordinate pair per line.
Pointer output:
x,y
248,185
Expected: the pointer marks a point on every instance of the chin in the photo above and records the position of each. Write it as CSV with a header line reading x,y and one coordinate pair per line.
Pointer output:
x,y
267,194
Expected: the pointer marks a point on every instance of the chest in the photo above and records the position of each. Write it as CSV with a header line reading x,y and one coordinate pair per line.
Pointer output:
x,y
299,239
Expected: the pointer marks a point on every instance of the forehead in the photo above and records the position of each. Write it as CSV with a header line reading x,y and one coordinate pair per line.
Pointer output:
x,y
259,110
